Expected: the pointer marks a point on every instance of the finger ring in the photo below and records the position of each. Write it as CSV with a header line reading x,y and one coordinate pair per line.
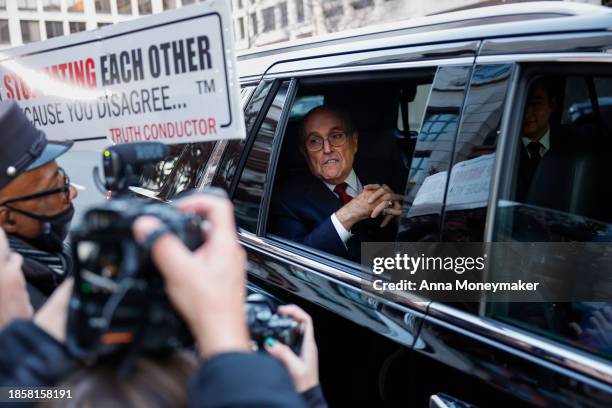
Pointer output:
x,y
389,203
384,211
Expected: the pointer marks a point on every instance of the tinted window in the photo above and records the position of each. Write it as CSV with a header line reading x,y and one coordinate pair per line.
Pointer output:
x,y
249,192
231,157
560,192
424,195
180,171
475,150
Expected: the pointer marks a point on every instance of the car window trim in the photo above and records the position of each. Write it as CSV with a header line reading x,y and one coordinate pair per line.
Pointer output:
x,y
374,67
277,143
326,271
549,350
250,138
544,57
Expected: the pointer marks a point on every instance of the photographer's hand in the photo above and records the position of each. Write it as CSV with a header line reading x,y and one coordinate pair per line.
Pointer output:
x,y
53,315
14,299
206,286
304,369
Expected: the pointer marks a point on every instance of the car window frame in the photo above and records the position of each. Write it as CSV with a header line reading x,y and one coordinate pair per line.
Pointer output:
x,y
311,254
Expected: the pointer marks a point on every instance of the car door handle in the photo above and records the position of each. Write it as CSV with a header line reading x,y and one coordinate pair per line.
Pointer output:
x,y
446,401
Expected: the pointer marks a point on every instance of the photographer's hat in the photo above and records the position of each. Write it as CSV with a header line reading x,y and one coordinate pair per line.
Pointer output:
x,y
23,146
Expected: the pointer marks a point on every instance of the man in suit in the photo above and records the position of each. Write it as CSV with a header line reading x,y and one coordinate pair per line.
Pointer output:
x,y
334,207
539,135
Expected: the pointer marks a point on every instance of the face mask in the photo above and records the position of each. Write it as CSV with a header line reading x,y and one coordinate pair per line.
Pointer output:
x,y
54,228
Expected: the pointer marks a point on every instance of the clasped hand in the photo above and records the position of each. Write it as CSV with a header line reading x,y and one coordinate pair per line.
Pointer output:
x,y
370,203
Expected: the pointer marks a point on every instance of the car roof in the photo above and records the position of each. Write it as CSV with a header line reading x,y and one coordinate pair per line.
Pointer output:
x,y
485,22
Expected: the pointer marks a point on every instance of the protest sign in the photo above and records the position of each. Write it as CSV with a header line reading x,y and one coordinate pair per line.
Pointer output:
x,y
169,77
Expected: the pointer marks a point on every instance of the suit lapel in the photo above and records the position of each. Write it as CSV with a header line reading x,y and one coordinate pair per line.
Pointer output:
x,y
322,198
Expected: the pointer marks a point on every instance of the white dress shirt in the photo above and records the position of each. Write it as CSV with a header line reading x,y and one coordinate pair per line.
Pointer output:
x,y
544,142
353,189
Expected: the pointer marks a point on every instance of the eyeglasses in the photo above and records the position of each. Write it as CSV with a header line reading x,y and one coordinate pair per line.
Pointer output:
x,y
316,143
65,188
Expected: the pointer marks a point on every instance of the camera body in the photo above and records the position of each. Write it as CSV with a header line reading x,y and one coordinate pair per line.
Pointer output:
x,y
264,322
119,300
119,297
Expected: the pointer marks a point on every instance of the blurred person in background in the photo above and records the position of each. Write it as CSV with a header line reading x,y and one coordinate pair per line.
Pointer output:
x,y
35,201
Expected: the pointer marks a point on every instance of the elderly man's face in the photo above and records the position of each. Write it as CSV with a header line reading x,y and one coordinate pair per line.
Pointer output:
x,y
43,178
537,116
331,163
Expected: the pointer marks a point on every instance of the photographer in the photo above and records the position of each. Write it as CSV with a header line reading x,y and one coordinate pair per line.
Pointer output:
x,y
207,287
35,201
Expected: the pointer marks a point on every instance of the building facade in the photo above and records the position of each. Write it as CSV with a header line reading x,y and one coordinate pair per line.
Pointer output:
x,y
256,22
24,21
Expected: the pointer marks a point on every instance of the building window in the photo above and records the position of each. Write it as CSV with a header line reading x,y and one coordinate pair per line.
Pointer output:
x,y
253,17
169,4
103,6
144,7
299,6
103,24
51,5
187,2
26,4
332,9
240,5
284,15
241,27
269,24
124,6
30,31
5,36
74,6
54,28
2,4
361,4
77,26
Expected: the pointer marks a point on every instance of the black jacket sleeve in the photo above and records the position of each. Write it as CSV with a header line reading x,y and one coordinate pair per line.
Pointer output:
x,y
29,357
243,380
314,397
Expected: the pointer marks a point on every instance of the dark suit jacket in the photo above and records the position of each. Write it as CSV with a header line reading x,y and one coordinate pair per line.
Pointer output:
x,y
302,206
562,138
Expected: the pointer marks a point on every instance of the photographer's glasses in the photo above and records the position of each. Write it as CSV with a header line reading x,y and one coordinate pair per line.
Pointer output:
x,y
65,188
316,143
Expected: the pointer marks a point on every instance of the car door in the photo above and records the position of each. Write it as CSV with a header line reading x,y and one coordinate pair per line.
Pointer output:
x,y
364,340
546,353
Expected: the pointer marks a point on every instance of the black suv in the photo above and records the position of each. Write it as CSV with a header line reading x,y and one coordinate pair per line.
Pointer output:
x,y
429,98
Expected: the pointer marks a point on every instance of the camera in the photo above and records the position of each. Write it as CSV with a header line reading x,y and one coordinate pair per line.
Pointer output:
x,y
119,300
264,322
119,297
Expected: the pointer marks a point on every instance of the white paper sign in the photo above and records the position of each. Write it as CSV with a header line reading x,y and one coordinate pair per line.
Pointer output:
x,y
167,78
468,187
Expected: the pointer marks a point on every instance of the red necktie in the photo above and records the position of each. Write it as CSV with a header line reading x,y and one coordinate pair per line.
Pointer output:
x,y
340,189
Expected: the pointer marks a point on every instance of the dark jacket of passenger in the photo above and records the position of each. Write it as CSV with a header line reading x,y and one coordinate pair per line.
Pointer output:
x,y
302,206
